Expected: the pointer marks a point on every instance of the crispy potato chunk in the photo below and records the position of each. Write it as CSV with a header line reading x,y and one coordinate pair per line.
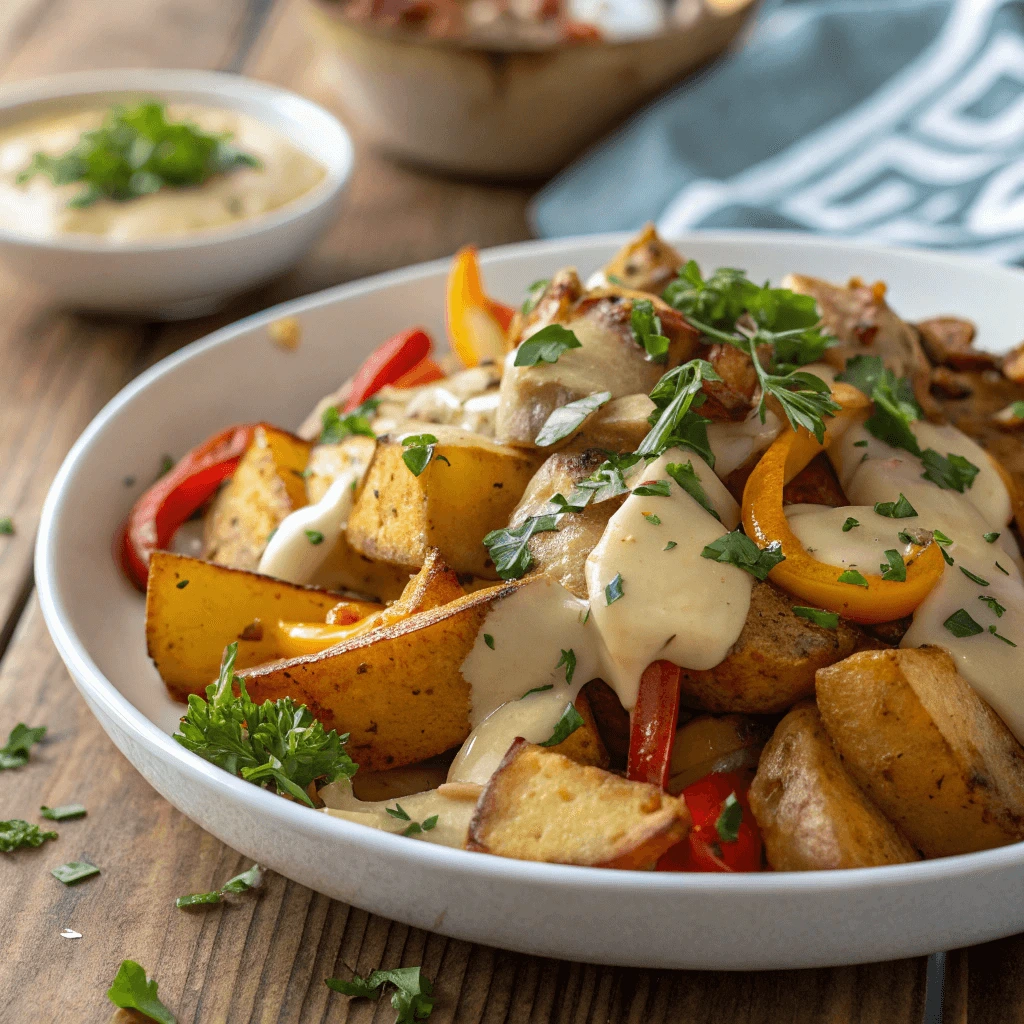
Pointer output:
x,y
584,745
542,806
195,608
398,689
451,505
772,664
645,264
266,487
810,812
925,748
329,461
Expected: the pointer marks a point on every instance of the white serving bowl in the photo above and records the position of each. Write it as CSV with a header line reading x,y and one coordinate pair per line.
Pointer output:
x,y
182,276
706,921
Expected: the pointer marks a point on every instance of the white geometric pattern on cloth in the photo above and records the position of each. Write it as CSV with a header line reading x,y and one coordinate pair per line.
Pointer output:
x,y
934,158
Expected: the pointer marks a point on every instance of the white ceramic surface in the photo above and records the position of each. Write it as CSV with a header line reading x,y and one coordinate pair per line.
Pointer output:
x,y
179,277
633,918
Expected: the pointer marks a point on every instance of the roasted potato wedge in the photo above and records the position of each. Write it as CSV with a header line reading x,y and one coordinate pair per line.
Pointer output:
x,y
925,748
710,743
398,690
267,486
195,608
451,505
772,664
329,461
542,806
812,815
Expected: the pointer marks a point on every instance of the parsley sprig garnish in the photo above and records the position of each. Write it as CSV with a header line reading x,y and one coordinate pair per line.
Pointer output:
x,y
674,423
277,742
738,549
645,325
411,998
136,151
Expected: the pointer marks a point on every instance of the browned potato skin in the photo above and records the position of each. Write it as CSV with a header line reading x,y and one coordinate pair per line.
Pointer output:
x,y
925,748
267,487
562,554
645,264
542,806
451,505
611,720
398,690
811,814
772,664
187,628
584,745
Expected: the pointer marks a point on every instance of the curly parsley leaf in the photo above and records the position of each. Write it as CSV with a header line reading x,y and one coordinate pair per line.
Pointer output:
x,y
820,617
15,752
960,624
568,659
411,998
131,990
738,549
899,509
136,151
645,325
17,833
853,578
546,345
686,476
727,825
276,742
249,879
564,419
570,721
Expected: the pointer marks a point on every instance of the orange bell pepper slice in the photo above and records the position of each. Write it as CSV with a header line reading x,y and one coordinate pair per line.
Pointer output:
x,y
477,324
764,521
426,371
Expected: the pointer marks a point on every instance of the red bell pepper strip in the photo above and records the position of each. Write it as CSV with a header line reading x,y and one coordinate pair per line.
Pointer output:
x,y
653,724
707,848
156,516
426,371
387,363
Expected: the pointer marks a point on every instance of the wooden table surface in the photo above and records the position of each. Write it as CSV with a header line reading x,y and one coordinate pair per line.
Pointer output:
x,y
265,959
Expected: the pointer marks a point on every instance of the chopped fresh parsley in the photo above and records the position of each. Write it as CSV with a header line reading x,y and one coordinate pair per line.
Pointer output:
x,y
65,812
896,569
674,423
314,536
564,419
247,880
570,721
508,547
652,489
686,477
850,524
181,584
568,659
489,640
533,296
670,545
414,828
538,689
998,566
14,753
166,465
7,526
411,998
613,591
961,624
827,620
941,538
131,990
645,324
738,549
17,833
999,636
137,151
334,427
993,605
652,518
546,345
419,450
727,825
852,577
74,871
277,742
973,578
951,472
899,509
860,444
990,538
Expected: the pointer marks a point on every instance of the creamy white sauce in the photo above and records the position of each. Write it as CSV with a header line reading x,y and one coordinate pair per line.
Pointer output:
x,y
290,554
734,444
676,605
820,530
39,209
529,630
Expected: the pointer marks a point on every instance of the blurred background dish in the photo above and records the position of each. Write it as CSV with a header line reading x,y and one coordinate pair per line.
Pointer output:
x,y
507,91
170,252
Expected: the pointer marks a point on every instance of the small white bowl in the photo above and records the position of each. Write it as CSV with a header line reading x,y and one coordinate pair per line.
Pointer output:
x,y
185,276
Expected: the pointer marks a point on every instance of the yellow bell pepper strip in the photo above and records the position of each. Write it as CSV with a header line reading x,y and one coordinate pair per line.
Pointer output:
x,y
477,325
764,521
